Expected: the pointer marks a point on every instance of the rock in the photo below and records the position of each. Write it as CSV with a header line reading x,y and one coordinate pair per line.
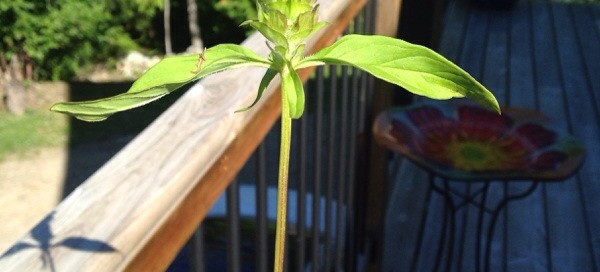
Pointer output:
x,y
14,96
135,63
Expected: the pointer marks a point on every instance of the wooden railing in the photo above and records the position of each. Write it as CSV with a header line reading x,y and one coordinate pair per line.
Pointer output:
x,y
137,211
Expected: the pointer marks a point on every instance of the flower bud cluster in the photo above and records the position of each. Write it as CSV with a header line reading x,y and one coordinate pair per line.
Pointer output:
x,y
287,24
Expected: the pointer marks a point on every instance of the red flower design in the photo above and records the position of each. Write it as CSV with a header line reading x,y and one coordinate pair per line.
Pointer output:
x,y
471,142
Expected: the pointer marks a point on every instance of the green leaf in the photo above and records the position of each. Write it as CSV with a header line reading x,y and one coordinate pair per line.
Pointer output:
x,y
302,35
228,56
264,83
164,77
277,21
292,88
269,33
416,68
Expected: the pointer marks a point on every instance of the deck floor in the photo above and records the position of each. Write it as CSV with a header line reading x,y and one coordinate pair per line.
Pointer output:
x,y
539,55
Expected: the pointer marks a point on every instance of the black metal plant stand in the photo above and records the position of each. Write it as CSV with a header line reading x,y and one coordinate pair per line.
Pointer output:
x,y
460,144
454,200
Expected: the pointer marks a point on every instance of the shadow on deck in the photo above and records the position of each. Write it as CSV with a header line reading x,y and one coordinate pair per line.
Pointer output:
x,y
539,55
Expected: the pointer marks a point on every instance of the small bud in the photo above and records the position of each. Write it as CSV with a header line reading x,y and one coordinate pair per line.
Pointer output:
x,y
290,20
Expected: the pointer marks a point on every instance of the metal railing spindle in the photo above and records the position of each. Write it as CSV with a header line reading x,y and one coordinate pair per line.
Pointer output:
x,y
330,166
233,227
339,257
316,211
262,248
196,245
301,187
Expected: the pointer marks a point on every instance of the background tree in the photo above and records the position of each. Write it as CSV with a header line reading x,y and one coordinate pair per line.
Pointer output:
x,y
167,22
237,10
55,40
197,44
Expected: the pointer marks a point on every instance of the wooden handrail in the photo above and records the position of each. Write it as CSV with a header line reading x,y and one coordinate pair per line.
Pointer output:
x,y
139,209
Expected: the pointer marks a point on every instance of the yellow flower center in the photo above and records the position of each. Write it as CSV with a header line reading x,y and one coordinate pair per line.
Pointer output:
x,y
476,155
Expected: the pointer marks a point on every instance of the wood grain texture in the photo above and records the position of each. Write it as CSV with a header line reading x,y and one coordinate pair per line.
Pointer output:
x,y
589,40
403,217
388,16
584,123
526,244
148,199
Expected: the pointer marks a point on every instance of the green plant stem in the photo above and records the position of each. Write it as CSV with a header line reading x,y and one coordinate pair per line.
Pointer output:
x,y
284,162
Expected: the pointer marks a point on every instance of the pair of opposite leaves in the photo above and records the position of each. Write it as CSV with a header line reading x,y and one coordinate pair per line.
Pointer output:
x,y
416,68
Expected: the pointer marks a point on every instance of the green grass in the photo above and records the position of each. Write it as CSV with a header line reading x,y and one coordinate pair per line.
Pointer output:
x,y
41,128
34,129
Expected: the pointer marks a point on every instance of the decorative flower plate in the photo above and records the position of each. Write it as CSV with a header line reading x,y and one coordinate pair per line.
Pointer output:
x,y
465,142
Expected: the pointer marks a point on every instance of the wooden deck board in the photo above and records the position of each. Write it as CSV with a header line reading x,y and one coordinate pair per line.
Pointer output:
x,y
496,194
432,222
495,63
526,244
521,84
473,47
596,13
589,38
404,222
568,238
494,75
453,32
547,57
471,59
583,114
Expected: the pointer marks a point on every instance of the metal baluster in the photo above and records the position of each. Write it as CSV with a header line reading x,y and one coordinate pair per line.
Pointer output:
x,y
330,166
262,249
351,164
316,216
196,243
302,146
340,229
481,214
233,223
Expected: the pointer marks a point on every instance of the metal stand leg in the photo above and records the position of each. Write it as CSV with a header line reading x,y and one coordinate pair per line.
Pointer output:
x,y
417,251
494,219
452,230
448,229
480,228
448,210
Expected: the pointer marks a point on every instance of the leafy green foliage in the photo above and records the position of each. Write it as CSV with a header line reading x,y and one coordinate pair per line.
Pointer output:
x,y
237,10
264,83
292,89
139,19
416,68
60,36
